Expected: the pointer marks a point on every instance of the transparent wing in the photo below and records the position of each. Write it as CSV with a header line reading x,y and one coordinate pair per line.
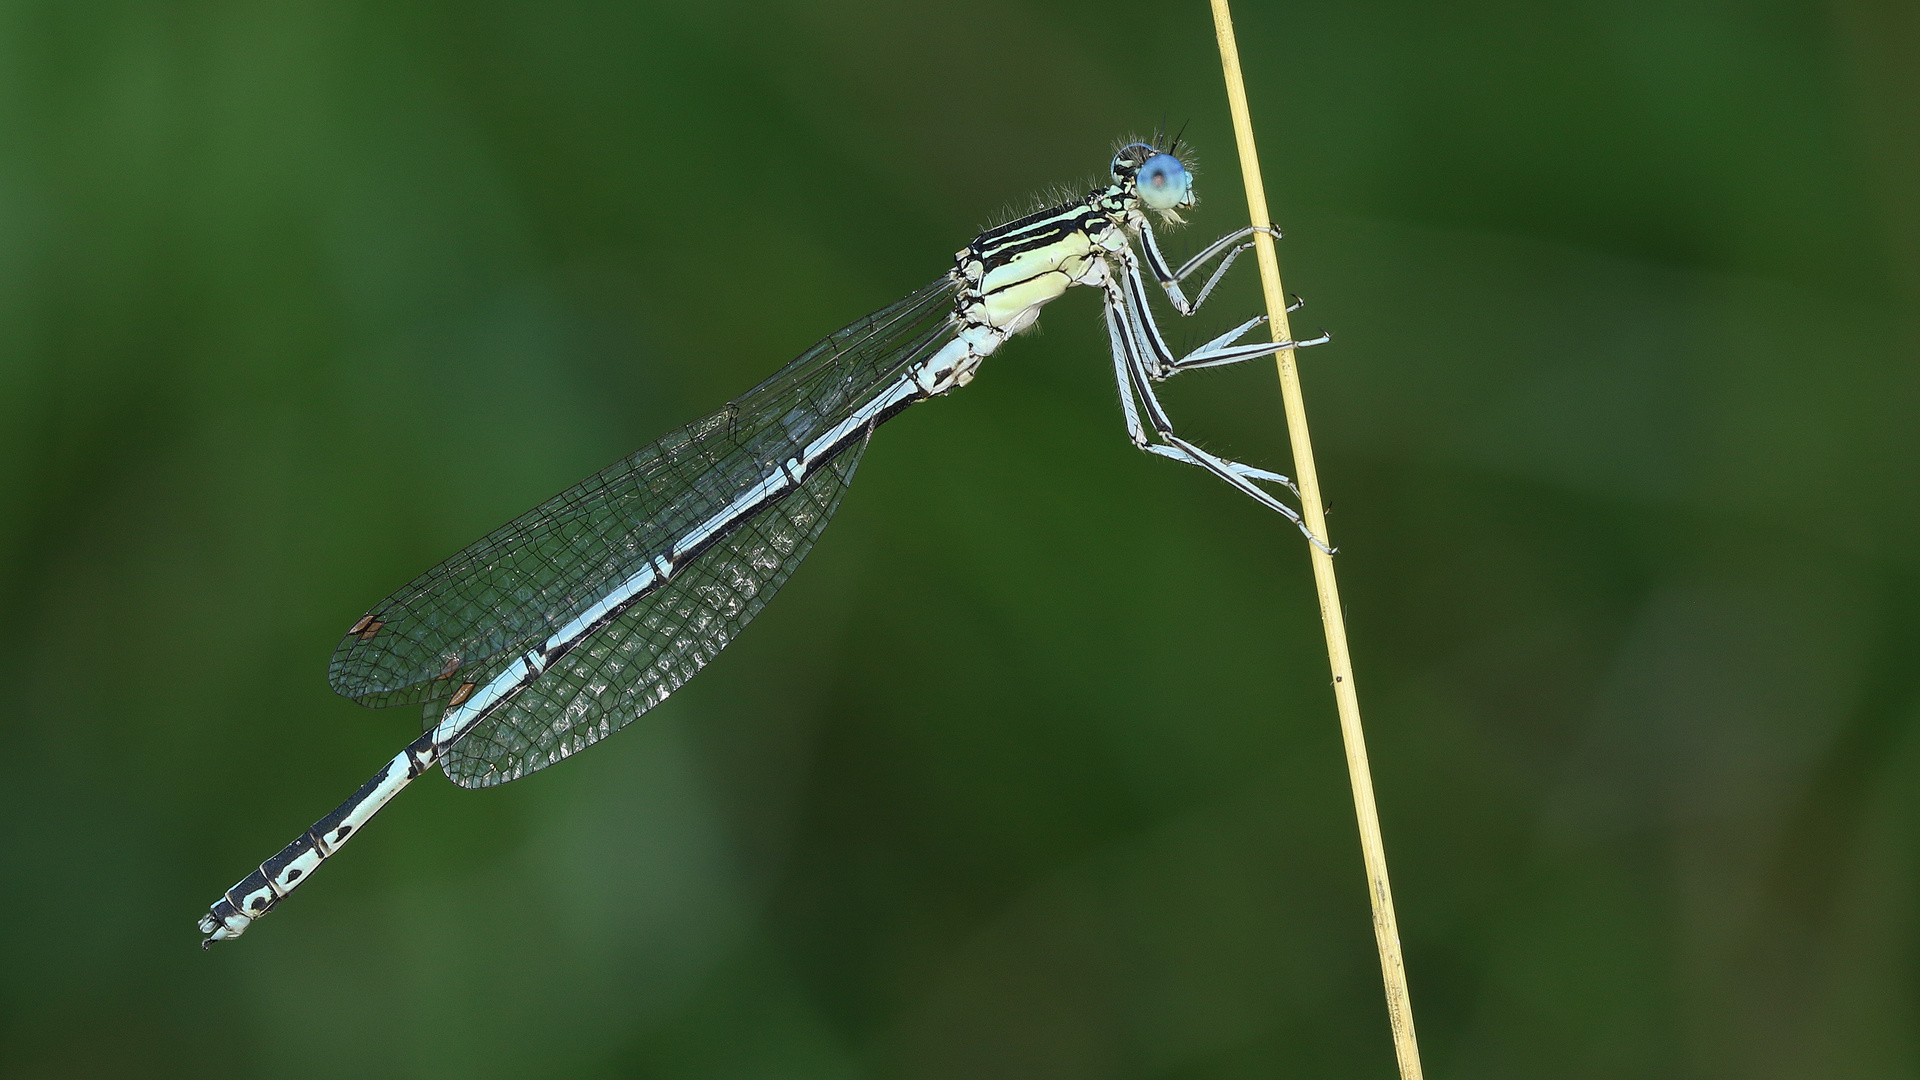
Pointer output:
x,y
656,645
509,590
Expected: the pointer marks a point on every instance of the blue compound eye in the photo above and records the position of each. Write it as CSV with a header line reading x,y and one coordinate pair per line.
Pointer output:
x,y
1162,182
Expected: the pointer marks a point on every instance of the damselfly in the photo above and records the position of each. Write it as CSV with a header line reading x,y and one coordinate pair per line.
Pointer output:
x,y
567,623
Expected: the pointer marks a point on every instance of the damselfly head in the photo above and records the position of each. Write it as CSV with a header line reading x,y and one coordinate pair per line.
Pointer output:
x,y
1158,179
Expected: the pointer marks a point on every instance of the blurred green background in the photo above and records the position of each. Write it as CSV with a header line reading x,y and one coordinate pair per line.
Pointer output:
x,y
1033,770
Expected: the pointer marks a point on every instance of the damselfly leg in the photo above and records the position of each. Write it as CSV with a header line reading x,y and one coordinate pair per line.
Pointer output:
x,y
1234,244
1141,357
1158,357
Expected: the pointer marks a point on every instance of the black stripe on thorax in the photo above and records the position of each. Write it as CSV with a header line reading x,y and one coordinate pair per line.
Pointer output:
x,y
996,247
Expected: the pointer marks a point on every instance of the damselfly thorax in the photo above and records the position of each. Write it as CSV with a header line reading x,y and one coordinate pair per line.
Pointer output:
x,y
566,623
1008,273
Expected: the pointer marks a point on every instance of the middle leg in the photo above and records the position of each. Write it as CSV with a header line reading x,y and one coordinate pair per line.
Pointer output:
x,y
1158,357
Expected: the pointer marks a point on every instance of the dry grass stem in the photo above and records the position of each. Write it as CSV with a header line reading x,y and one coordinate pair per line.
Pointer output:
x,y
1385,929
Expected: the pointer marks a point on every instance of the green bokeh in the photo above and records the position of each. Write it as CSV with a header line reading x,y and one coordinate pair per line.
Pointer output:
x,y
1032,771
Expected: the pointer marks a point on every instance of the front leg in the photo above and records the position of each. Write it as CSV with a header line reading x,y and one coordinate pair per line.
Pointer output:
x,y
1233,244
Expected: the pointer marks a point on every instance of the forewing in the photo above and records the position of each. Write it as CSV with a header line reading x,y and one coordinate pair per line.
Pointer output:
x,y
507,592
631,664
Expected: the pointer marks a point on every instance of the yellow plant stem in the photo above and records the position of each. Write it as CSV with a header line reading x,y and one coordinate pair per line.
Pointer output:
x,y
1386,930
